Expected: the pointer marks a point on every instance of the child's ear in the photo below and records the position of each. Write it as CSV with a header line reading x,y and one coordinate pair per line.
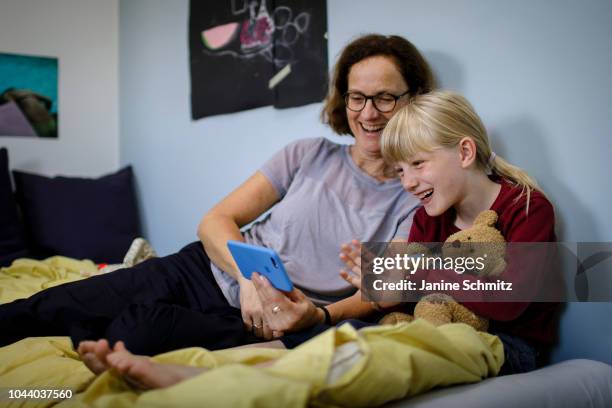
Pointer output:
x,y
467,152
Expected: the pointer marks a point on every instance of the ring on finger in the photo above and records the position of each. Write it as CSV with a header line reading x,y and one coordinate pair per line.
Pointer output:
x,y
276,309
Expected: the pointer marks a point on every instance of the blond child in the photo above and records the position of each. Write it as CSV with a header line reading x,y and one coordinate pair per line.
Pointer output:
x,y
440,150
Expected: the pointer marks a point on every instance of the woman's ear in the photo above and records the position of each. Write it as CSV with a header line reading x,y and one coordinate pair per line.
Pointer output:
x,y
467,152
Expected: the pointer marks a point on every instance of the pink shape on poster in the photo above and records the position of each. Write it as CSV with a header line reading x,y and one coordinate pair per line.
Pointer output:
x,y
219,36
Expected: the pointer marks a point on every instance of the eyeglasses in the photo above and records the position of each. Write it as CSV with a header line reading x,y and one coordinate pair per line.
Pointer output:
x,y
383,102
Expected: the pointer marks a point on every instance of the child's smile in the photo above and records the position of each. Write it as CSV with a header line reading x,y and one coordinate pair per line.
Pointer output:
x,y
425,196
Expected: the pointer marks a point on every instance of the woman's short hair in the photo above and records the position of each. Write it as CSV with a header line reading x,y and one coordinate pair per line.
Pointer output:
x,y
410,63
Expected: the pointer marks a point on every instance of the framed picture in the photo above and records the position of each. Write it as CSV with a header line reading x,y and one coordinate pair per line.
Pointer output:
x,y
28,96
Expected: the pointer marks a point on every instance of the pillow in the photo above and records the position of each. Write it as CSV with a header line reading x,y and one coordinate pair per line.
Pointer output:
x,y
80,218
12,240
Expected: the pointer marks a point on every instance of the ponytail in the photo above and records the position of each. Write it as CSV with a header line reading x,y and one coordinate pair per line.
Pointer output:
x,y
516,175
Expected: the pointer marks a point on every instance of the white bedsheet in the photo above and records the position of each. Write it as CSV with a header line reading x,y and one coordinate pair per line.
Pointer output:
x,y
572,384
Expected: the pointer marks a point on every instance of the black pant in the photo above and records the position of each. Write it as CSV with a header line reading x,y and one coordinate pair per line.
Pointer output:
x,y
159,305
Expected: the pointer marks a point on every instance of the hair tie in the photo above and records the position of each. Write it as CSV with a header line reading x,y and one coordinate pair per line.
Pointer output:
x,y
492,158
491,162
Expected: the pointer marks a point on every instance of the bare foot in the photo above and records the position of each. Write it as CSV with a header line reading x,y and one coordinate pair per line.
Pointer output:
x,y
94,353
144,373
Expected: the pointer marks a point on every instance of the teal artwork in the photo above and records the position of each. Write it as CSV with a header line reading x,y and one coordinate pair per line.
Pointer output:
x,y
28,95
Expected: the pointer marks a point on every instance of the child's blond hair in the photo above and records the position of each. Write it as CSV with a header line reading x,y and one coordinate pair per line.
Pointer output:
x,y
441,119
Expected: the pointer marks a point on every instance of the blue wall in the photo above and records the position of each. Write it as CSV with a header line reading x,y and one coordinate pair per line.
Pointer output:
x,y
537,72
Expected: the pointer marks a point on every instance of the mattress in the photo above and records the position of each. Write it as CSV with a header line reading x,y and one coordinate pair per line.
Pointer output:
x,y
572,383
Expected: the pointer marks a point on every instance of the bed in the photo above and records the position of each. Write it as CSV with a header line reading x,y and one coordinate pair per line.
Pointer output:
x,y
414,365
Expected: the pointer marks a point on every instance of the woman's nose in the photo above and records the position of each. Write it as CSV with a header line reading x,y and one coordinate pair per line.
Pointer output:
x,y
369,111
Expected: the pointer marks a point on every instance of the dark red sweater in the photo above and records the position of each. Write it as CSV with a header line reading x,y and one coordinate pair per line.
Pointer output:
x,y
535,322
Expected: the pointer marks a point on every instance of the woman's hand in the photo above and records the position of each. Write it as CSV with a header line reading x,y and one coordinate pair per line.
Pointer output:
x,y
350,254
285,311
251,310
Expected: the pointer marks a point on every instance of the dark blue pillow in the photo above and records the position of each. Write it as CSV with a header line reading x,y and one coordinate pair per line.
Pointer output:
x,y
80,218
12,240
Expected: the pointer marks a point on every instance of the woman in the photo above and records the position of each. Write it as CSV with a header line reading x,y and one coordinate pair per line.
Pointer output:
x,y
321,194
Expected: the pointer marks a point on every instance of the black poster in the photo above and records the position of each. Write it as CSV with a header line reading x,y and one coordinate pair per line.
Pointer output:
x,y
246,54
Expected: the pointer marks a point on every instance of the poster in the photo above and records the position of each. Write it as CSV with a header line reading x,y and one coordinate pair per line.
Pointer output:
x,y
28,96
247,54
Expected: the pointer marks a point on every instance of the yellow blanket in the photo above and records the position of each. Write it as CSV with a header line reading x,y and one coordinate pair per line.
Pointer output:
x,y
341,367
27,276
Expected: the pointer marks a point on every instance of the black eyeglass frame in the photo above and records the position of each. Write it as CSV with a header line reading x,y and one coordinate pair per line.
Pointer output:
x,y
372,98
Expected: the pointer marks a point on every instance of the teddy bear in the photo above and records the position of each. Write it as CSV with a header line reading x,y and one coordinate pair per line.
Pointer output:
x,y
438,308
489,243
140,250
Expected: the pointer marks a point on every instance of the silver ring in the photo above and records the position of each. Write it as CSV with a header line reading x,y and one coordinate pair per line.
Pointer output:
x,y
256,326
276,309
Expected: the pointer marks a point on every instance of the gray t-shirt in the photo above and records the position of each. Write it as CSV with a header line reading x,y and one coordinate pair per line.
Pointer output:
x,y
325,201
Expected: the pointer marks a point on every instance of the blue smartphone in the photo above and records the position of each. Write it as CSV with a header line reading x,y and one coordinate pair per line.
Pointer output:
x,y
251,258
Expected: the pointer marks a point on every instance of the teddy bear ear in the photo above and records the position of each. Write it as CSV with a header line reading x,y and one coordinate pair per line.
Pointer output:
x,y
487,218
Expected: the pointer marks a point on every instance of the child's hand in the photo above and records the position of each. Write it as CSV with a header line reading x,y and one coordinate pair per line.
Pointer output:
x,y
350,254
